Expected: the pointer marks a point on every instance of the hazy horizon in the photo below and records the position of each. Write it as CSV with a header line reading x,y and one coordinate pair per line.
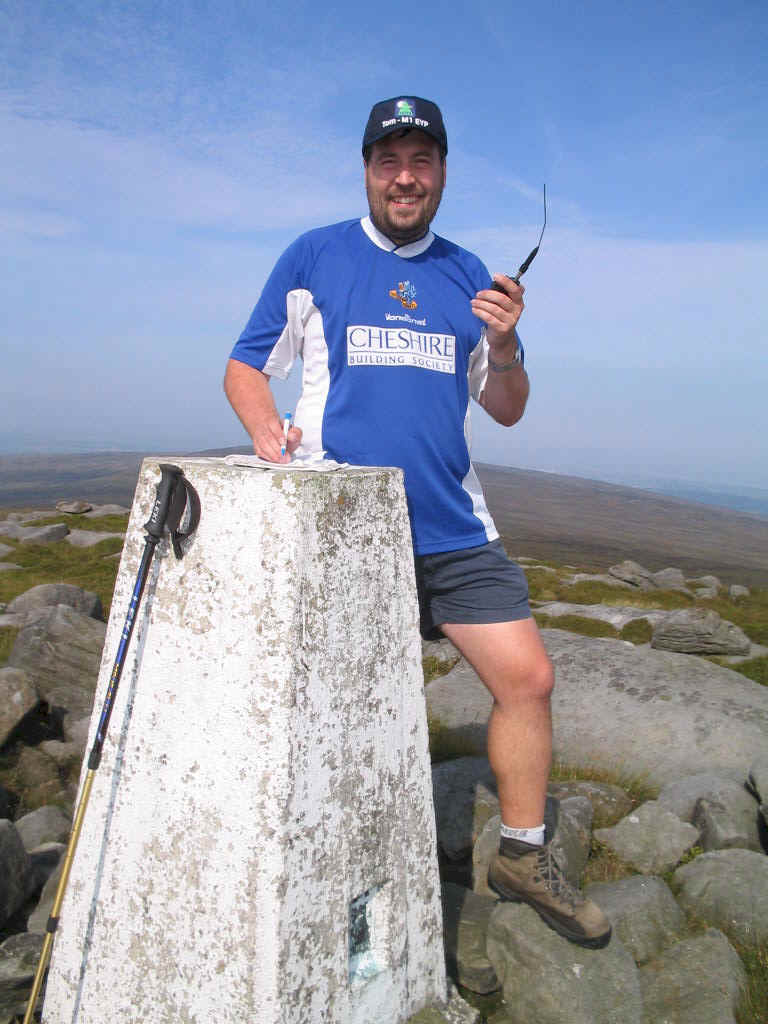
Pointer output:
x,y
742,498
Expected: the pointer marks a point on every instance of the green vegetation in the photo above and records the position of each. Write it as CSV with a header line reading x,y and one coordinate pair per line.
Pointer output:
x,y
755,669
102,524
445,744
435,667
7,637
637,787
638,631
604,865
749,613
754,1004
575,624
93,568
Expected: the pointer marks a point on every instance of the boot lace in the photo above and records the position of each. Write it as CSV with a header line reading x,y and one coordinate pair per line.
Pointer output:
x,y
552,875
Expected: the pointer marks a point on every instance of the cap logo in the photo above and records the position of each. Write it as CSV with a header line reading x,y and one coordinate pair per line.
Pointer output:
x,y
404,108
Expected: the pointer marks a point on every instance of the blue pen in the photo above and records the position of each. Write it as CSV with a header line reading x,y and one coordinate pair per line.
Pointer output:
x,y
286,428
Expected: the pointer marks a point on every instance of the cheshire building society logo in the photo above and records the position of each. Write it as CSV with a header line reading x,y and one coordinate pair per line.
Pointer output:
x,y
404,108
405,293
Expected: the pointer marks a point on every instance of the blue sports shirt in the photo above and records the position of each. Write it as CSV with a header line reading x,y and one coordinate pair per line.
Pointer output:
x,y
391,354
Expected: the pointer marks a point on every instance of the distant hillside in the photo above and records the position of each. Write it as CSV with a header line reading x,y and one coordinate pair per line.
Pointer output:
x,y
544,515
570,519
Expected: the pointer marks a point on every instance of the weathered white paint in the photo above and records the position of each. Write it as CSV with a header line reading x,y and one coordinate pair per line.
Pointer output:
x,y
265,765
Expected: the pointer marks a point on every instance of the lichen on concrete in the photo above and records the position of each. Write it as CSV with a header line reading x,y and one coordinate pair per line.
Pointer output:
x,y
266,765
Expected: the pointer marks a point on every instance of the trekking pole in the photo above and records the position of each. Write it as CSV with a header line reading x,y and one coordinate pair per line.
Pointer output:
x,y
174,493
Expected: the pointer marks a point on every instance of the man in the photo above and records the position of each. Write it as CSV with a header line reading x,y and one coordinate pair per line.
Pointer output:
x,y
396,327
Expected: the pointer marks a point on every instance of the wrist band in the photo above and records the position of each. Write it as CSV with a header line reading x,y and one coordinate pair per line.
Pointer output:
x,y
503,367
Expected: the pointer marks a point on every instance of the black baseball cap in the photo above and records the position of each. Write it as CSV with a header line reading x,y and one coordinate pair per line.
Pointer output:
x,y
405,112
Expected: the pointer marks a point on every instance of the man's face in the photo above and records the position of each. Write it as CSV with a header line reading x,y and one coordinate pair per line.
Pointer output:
x,y
404,179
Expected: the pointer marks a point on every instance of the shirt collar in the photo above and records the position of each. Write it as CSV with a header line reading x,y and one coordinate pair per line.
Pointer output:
x,y
406,251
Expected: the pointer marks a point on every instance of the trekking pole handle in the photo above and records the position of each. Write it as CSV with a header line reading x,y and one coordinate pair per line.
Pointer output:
x,y
169,479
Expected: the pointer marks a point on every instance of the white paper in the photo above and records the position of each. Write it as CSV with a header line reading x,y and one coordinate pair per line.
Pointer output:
x,y
314,463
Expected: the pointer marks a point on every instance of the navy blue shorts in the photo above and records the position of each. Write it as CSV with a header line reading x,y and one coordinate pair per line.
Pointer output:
x,y
474,585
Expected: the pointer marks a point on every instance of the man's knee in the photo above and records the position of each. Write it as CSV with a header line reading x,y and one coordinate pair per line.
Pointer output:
x,y
540,678
534,680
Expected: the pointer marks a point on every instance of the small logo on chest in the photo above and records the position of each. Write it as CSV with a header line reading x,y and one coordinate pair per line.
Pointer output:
x,y
405,293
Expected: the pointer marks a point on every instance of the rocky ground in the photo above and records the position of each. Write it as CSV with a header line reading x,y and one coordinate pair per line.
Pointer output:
x,y
662,814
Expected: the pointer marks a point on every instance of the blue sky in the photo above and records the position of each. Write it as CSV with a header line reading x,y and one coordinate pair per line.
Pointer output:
x,y
156,158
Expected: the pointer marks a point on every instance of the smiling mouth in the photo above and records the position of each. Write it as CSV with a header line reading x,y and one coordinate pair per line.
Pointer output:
x,y
405,201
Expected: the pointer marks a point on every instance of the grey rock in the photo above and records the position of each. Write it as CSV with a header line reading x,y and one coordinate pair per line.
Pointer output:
x,y
76,731
9,567
484,850
29,517
699,631
736,590
38,775
465,922
705,593
610,803
17,698
15,867
89,538
11,529
458,706
50,594
38,919
45,825
68,756
465,798
698,981
616,616
44,534
598,577
643,913
454,1011
44,860
6,549
650,838
725,824
442,650
549,980
682,795
19,957
757,778
632,572
728,889
61,652
572,839
722,809
73,507
705,581
670,579
107,510
655,714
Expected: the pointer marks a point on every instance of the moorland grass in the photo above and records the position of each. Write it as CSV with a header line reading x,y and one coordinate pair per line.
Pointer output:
x,y
8,636
575,624
753,1008
93,568
749,613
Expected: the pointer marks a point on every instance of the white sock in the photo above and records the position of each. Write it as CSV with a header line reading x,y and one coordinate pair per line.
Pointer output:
x,y
534,836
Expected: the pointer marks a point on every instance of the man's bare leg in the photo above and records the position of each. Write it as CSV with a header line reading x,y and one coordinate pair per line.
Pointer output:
x,y
510,659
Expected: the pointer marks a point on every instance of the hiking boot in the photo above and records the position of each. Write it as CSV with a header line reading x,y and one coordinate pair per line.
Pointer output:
x,y
522,873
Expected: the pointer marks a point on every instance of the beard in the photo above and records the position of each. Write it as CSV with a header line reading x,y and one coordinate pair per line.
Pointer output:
x,y
408,225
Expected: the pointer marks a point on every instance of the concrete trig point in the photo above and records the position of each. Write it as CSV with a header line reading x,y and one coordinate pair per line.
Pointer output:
x,y
259,847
